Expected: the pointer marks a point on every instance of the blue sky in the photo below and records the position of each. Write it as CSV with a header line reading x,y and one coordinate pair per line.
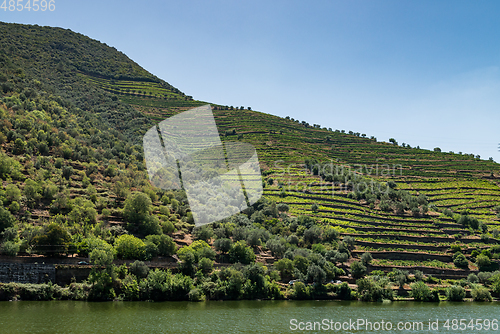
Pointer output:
x,y
424,72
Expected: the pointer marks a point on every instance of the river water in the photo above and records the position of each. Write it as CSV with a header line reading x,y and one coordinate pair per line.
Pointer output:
x,y
248,317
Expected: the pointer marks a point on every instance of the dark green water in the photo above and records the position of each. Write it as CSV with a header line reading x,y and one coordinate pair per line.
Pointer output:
x,y
236,316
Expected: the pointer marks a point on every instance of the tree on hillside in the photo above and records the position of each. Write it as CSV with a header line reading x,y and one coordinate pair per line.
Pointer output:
x,y
129,247
54,240
6,219
137,207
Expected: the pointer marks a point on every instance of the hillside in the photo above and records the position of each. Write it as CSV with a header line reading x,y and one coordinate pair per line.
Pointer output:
x,y
72,115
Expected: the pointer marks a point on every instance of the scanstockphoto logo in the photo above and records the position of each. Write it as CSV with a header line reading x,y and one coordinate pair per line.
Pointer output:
x,y
185,152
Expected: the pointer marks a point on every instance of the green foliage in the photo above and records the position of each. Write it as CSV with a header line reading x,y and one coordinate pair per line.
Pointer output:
x,y
421,292
204,232
484,263
282,207
343,291
6,219
139,269
469,221
129,247
102,257
366,258
102,288
315,274
480,293
472,278
9,167
54,240
460,260
223,245
242,253
371,289
162,285
151,225
206,265
285,267
455,293
277,247
12,193
137,208
300,291
199,249
358,270
82,211
166,245
10,248
168,227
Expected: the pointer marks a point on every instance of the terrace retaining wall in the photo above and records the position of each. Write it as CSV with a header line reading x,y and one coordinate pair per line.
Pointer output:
x,y
27,273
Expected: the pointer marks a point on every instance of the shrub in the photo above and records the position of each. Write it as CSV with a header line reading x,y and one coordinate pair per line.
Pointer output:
x,y
484,277
358,270
300,291
495,282
285,267
366,258
276,247
314,207
419,276
349,242
472,278
474,254
129,247
315,274
242,253
82,210
343,291
319,249
10,248
374,290
168,227
312,235
421,292
162,285
203,232
67,171
206,265
329,234
54,240
100,252
137,207
199,249
166,245
282,207
6,219
460,260
455,293
341,258
484,263
139,269
12,193
195,295
151,225
481,294
223,245
150,250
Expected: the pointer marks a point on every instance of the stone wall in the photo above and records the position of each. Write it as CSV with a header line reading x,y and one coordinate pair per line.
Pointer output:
x,y
27,273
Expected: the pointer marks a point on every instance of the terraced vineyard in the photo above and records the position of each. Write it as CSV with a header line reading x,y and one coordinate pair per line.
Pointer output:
x,y
459,182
